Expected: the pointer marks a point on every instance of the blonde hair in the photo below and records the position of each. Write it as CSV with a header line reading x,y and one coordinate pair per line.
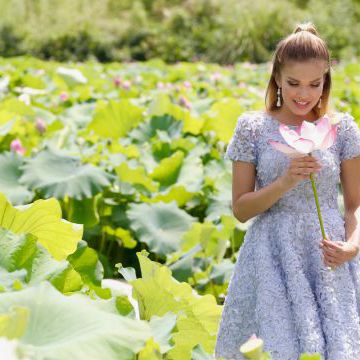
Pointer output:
x,y
302,45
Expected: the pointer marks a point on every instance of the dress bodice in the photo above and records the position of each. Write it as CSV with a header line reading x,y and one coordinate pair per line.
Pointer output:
x,y
250,143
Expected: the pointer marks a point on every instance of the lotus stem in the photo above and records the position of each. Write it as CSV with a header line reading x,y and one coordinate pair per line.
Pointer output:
x,y
317,205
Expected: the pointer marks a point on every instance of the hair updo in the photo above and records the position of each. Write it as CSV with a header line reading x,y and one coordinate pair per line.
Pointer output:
x,y
302,45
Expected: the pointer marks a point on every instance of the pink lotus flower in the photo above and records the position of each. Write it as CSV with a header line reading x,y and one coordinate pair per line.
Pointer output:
x,y
17,147
40,125
64,96
306,138
126,85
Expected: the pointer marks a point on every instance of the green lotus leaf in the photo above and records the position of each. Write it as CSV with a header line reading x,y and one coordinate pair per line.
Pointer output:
x,y
83,211
168,170
71,76
198,353
221,273
86,262
11,281
10,173
162,327
22,252
114,119
43,220
222,118
147,130
198,316
15,106
162,105
73,327
54,173
79,115
159,225
151,351
13,324
187,172
136,176
173,193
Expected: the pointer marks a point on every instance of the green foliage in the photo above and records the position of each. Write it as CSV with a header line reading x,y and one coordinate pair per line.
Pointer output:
x,y
134,155
212,31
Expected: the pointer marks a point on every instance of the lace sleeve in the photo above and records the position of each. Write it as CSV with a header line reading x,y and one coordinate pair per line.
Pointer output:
x,y
350,138
242,144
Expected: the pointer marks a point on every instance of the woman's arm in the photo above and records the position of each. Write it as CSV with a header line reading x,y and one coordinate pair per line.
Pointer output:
x,y
247,203
350,182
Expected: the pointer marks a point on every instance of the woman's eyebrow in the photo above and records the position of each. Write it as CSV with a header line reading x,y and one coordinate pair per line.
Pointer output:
x,y
291,78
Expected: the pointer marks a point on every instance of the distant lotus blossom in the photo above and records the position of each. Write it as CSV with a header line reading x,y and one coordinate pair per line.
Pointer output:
x,y
40,125
40,72
242,85
183,101
248,65
117,81
64,96
187,84
17,147
169,85
25,98
160,85
216,76
126,85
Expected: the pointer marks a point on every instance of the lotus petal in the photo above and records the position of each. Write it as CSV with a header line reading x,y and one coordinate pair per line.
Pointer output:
x,y
285,149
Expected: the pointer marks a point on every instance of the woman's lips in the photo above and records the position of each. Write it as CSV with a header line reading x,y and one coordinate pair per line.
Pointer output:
x,y
301,104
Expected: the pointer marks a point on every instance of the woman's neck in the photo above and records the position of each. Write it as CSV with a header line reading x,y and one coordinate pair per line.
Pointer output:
x,y
287,117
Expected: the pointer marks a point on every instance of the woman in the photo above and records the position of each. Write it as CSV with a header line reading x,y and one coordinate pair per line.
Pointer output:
x,y
282,289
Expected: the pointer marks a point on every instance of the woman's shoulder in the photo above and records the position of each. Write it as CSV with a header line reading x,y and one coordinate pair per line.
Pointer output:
x,y
252,119
344,120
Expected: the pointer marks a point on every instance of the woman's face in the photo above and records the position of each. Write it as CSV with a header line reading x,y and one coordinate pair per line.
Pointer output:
x,y
301,85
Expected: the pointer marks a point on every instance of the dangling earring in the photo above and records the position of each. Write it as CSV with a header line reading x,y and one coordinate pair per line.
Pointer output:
x,y
319,104
278,103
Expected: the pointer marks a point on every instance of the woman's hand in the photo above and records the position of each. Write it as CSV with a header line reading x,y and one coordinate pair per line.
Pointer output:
x,y
338,252
300,169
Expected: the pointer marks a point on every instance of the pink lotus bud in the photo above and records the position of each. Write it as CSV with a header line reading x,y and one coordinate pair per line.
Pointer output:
x,y
216,76
187,84
40,125
126,85
242,85
16,146
64,96
117,81
183,101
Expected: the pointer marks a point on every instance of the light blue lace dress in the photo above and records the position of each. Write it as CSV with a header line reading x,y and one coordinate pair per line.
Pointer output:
x,y
281,289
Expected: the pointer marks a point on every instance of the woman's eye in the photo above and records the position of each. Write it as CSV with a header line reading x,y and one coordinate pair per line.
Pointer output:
x,y
295,84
